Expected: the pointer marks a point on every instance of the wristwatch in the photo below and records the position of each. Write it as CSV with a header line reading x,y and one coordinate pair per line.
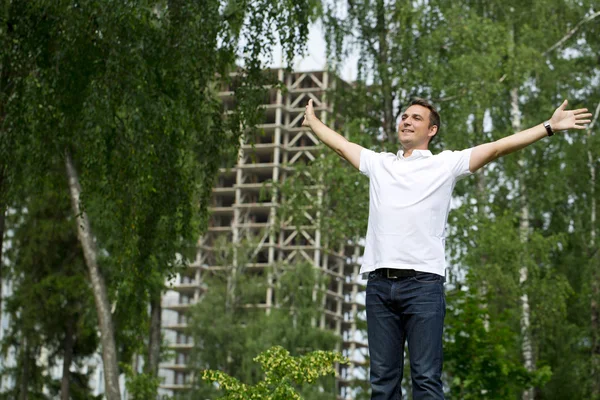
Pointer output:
x,y
548,128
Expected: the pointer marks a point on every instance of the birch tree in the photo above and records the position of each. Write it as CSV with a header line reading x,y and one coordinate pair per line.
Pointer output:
x,y
45,262
124,94
485,63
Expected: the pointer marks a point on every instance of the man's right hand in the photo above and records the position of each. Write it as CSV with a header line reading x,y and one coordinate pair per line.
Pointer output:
x,y
309,113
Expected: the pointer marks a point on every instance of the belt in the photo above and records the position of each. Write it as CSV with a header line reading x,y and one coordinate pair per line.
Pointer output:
x,y
394,273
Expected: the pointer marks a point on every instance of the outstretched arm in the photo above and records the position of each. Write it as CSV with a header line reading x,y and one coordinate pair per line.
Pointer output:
x,y
350,151
561,120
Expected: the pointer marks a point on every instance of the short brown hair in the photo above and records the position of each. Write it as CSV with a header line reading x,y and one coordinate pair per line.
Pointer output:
x,y
434,116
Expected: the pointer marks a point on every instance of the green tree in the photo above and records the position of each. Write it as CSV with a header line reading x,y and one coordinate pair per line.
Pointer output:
x,y
283,373
483,361
124,94
51,306
531,75
229,326
491,68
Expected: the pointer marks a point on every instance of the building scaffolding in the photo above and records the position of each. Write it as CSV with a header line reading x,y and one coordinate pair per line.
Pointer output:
x,y
238,209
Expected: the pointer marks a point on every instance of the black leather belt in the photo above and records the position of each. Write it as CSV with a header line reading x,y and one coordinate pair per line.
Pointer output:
x,y
393,273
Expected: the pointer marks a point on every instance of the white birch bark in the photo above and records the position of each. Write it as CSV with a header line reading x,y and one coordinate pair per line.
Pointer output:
x,y
481,197
595,278
526,347
2,224
90,252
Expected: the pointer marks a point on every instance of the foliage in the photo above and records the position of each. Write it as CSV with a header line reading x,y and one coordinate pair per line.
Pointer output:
x,y
140,386
483,363
340,216
283,373
130,90
468,57
229,325
45,262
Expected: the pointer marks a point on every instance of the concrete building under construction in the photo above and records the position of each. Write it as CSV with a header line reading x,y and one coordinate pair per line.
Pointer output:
x,y
238,208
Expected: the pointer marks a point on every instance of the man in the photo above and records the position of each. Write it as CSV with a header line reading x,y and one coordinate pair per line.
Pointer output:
x,y
409,199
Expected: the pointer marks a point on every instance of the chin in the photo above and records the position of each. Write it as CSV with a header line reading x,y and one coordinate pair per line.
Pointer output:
x,y
404,142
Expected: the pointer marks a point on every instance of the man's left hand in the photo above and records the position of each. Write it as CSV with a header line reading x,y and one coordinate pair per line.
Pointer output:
x,y
569,119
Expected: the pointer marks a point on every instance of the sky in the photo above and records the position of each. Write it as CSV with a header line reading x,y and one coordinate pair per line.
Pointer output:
x,y
315,59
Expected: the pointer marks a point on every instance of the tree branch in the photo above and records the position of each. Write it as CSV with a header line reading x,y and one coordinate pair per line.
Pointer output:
x,y
593,179
571,33
591,126
98,284
461,92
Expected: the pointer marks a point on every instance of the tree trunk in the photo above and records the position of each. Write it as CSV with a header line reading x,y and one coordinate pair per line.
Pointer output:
x,y
595,265
526,349
5,93
155,335
68,345
595,326
24,370
482,198
2,224
86,238
389,124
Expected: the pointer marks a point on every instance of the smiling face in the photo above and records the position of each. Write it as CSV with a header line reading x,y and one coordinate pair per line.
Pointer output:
x,y
414,129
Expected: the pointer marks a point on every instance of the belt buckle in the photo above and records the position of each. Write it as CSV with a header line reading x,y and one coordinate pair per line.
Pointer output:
x,y
387,273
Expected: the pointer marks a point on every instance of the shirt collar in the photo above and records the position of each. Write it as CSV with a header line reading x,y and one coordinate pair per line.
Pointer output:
x,y
416,153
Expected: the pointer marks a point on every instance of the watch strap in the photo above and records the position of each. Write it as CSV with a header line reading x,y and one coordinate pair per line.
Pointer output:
x,y
548,128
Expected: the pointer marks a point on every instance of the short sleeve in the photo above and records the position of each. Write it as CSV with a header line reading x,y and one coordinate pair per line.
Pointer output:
x,y
368,161
458,162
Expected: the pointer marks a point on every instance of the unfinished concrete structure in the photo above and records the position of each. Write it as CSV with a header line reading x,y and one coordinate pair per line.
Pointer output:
x,y
238,209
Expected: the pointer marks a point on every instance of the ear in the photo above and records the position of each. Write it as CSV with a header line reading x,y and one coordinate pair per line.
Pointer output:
x,y
432,131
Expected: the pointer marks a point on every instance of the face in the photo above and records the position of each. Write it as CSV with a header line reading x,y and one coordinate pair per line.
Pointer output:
x,y
413,129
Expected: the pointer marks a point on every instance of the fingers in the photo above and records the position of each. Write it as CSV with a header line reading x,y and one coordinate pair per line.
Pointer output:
x,y
581,124
564,104
580,111
308,110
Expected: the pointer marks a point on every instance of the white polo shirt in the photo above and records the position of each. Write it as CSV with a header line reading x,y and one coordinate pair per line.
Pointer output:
x,y
409,200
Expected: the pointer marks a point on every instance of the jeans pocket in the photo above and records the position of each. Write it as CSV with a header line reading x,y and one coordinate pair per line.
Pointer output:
x,y
427,278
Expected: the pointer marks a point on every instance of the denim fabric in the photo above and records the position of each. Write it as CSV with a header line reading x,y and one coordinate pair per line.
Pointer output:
x,y
412,310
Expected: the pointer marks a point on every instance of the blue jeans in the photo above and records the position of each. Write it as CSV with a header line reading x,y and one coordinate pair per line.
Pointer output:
x,y
403,309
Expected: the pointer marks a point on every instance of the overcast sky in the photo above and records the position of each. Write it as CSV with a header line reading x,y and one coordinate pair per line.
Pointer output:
x,y
314,59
